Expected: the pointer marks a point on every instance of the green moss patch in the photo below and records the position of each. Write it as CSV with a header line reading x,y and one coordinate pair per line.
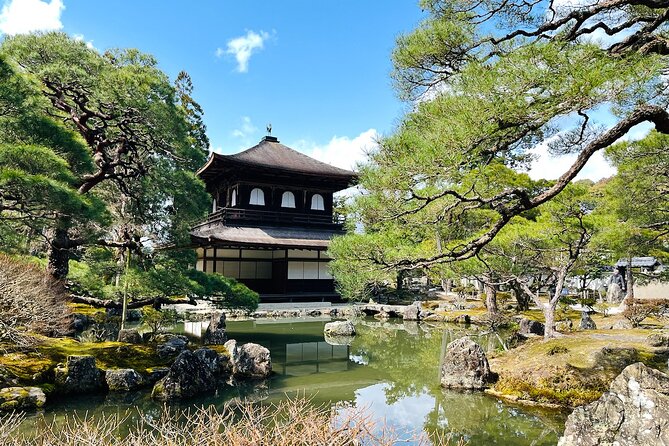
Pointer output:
x,y
574,369
87,310
35,366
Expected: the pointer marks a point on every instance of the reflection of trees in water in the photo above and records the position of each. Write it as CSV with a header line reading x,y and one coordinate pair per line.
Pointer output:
x,y
410,355
481,419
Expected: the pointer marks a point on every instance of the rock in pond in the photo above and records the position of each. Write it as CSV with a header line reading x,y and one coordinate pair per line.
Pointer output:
x,y
252,361
412,312
172,347
155,374
635,411
123,380
339,328
220,365
188,376
22,398
80,375
528,326
339,340
215,334
586,322
465,366
129,336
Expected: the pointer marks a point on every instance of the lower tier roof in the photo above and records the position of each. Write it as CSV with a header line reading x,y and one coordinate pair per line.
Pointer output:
x,y
300,238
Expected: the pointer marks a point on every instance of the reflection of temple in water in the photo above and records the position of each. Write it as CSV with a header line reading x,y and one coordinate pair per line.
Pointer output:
x,y
305,358
289,357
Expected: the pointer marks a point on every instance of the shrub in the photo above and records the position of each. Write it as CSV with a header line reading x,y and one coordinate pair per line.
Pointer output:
x,y
31,303
640,309
158,320
290,422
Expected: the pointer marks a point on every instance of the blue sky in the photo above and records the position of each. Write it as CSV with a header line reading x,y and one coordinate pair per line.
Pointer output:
x,y
318,70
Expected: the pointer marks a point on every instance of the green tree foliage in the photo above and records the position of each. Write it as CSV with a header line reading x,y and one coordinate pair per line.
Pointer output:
x,y
98,154
635,210
489,81
39,162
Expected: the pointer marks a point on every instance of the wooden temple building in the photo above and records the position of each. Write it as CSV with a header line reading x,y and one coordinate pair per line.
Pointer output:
x,y
271,221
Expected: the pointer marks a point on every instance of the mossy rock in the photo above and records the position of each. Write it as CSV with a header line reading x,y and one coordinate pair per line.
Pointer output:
x,y
37,366
21,398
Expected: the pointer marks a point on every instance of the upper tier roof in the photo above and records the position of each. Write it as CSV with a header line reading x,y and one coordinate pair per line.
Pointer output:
x,y
271,154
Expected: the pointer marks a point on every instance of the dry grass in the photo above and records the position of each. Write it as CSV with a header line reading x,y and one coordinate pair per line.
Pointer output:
x,y
30,303
291,422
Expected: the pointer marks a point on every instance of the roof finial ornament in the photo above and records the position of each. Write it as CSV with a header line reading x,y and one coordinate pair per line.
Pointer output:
x,y
269,129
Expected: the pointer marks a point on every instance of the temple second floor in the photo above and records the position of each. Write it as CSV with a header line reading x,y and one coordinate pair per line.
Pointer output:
x,y
271,184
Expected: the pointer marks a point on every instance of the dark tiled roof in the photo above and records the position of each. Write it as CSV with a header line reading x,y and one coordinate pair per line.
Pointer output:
x,y
273,237
272,154
640,262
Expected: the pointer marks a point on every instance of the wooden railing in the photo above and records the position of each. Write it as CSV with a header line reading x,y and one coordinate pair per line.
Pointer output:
x,y
230,215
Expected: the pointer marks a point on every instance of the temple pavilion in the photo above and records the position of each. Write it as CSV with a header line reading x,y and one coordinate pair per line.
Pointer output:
x,y
271,222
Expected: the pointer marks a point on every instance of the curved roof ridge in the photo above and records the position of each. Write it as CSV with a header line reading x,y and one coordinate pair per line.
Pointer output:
x,y
269,152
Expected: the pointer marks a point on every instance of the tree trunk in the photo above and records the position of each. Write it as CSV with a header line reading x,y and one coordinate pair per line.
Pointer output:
x,y
400,280
629,281
522,299
549,316
490,298
59,253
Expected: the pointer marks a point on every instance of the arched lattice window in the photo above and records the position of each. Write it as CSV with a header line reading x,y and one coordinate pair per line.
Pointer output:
x,y
288,200
233,198
257,197
317,203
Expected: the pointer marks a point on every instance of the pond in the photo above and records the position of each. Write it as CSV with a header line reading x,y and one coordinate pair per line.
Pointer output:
x,y
390,368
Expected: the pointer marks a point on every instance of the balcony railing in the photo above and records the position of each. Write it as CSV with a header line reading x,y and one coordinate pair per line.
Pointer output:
x,y
239,215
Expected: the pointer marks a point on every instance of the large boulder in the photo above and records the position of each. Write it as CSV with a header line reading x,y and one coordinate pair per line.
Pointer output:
x,y
339,340
80,375
215,333
252,361
123,380
530,327
339,328
172,347
465,366
130,336
220,365
635,411
412,312
586,322
188,376
22,398
155,374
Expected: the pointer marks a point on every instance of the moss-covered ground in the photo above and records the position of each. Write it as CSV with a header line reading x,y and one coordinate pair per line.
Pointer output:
x,y
573,369
35,366
87,310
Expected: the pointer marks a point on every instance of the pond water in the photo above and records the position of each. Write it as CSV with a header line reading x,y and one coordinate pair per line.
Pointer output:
x,y
390,368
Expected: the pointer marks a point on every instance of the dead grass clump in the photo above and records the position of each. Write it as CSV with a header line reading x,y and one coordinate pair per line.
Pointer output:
x,y
290,422
640,309
30,303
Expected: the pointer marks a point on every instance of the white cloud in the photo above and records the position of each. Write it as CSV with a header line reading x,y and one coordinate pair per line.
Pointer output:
x,y
599,36
246,129
551,167
243,48
25,16
80,38
341,151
